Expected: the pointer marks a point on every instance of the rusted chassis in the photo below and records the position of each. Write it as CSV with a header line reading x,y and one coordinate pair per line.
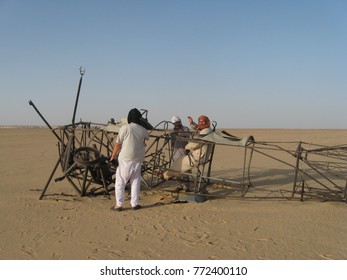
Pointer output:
x,y
84,153
84,149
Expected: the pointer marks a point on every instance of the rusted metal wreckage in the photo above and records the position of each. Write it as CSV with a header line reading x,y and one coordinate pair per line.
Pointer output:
x,y
84,149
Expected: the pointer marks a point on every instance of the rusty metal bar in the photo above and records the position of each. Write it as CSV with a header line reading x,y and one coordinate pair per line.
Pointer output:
x,y
82,71
44,120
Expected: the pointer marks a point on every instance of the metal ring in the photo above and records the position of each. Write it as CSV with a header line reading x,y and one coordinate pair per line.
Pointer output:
x,y
86,156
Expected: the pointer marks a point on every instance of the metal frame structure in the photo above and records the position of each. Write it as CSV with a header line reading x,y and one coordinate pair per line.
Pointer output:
x,y
84,149
319,171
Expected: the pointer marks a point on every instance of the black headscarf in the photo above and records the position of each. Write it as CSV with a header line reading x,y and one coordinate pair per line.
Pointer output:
x,y
134,116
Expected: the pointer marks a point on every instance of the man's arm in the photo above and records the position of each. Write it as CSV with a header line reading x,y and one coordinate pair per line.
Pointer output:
x,y
116,150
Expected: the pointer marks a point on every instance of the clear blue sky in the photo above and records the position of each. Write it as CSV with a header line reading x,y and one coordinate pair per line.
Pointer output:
x,y
244,63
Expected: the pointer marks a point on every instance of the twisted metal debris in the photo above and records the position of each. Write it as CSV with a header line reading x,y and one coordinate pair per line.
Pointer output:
x,y
84,149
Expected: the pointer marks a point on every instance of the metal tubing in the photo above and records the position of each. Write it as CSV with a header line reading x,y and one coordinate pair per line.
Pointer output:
x,y
84,189
78,95
44,120
74,185
49,179
298,156
103,180
301,171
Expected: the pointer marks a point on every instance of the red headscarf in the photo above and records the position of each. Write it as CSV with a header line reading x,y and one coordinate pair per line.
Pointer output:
x,y
206,123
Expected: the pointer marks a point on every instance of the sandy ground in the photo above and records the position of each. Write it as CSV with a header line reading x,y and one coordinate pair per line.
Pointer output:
x,y
263,225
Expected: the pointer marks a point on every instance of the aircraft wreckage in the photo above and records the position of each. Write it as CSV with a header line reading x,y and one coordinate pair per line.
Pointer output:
x,y
84,149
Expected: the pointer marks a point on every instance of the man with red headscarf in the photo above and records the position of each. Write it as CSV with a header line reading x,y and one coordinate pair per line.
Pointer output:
x,y
203,126
195,151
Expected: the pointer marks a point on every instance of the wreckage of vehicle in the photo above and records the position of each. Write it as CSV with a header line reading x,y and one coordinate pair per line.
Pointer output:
x,y
84,150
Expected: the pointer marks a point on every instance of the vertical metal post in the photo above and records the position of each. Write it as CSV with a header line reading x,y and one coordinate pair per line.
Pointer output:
x,y
302,190
103,179
298,157
82,71
210,164
85,176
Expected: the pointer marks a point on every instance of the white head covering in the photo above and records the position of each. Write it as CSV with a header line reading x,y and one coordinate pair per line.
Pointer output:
x,y
175,119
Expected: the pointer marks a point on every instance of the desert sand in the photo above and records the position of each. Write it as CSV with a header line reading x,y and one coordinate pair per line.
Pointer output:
x,y
66,226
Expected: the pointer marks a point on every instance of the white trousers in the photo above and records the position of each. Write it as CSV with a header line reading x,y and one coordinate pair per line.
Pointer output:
x,y
128,171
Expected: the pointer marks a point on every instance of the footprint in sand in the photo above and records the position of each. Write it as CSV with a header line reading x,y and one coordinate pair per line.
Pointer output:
x,y
30,251
109,250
